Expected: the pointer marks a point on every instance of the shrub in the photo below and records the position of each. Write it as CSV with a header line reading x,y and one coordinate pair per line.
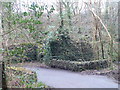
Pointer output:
x,y
65,48
25,52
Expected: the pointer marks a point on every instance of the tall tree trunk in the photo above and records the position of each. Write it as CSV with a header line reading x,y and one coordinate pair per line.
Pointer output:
x,y
119,33
102,46
95,38
69,15
61,15
4,86
99,29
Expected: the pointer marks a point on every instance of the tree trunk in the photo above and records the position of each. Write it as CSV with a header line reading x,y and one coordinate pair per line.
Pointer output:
x,y
4,86
61,15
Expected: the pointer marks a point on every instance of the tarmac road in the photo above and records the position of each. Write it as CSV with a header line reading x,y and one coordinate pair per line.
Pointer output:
x,y
66,79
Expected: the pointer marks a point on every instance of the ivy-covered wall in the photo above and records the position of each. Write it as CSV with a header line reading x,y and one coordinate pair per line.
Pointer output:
x,y
66,49
79,66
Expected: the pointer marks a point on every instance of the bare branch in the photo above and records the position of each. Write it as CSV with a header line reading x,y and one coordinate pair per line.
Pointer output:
x,y
97,17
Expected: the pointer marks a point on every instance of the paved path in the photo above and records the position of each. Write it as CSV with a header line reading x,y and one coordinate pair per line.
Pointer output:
x,y
67,79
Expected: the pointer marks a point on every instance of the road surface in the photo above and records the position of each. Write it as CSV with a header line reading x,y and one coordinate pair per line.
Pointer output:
x,y
67,79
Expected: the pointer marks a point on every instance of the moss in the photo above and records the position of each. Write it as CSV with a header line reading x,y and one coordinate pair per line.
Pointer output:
x,y
20,69
20,77
37,85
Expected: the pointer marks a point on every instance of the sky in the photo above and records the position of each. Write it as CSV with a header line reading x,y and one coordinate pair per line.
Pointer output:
x,y
47,2
50,2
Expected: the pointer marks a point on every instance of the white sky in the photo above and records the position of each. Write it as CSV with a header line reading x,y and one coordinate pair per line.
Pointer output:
x,y
53,2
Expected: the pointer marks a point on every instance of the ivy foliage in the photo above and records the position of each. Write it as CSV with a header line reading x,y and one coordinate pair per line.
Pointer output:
x,y
29,21
22,52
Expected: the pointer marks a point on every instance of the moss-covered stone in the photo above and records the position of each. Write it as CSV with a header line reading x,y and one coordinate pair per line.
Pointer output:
x,y
79,66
